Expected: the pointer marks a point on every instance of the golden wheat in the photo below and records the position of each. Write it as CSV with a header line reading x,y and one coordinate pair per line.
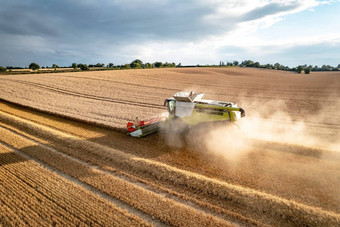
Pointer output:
x,y
255,201
165,209
294,184
112,97
37,196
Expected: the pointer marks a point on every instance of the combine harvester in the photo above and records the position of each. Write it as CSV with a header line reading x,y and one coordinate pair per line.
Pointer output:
x,y
189,108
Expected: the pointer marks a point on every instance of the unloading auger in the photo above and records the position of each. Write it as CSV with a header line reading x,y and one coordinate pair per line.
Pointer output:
x,y
191,109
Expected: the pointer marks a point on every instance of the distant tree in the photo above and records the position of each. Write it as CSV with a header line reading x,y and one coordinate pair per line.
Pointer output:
x,y
148,65
326,68
14,67
34,66
110,65
269,66
158,64
235,63
99,65
74,65
137,61
257,64
250,63
167,65
277,66
126,66
2,69
299,68
307,70
247,63
179,65
284,67
315,68
136,64
55,66
83,67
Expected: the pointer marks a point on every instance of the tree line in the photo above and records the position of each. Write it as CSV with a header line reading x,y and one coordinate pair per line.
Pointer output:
x,y
138,64
278,66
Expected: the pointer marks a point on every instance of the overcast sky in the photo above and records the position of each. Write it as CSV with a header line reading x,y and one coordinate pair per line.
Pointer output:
x,y
182,31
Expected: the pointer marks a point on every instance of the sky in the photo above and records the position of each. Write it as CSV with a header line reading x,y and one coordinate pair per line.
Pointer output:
x,y
189,32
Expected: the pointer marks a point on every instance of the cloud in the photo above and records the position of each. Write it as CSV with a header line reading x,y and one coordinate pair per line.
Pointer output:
x,y
275,8
317,50
65,31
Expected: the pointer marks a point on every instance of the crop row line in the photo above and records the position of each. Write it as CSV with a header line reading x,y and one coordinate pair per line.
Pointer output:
x,y
167,210
217,211
76,151
62,203
88,96
266,204
21,197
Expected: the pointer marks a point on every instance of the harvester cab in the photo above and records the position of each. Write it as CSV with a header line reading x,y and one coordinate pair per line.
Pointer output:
x,y
191,109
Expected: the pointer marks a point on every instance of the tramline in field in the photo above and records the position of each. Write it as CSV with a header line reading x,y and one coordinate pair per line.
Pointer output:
x,y
191,109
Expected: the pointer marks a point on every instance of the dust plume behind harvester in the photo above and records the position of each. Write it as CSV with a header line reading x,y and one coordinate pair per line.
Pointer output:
x,y
188,108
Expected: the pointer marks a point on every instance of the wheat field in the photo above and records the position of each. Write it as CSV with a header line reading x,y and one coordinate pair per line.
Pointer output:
x,y
279,166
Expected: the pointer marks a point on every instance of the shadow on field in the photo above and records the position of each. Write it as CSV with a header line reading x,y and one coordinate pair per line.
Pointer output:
x,y
10,158
151,146
57,162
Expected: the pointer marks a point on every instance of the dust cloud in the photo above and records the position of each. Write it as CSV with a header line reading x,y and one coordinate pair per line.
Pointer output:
x,y
277,121
174,133
273,148
271,122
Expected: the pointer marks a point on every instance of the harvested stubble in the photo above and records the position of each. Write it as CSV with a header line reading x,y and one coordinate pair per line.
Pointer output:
x,y
286,175
31,194
267,205
166,210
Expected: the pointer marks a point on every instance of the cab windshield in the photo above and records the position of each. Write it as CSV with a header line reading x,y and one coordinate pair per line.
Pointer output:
x,y
171,106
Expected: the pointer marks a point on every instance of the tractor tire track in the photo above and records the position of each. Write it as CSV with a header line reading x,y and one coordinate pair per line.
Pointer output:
x,y
54,196
119,82
142,165
116,202
87,96
204,214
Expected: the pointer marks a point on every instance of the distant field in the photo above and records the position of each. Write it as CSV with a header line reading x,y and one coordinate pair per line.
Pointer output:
x,y
45,69
280,166
49,70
